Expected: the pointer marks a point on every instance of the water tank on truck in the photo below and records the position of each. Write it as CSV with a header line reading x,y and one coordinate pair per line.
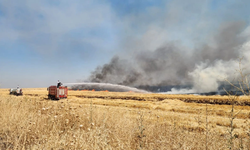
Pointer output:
x,y
18,91
57,92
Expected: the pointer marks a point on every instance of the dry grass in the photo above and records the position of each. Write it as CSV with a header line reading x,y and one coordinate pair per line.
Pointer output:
x,y
106,120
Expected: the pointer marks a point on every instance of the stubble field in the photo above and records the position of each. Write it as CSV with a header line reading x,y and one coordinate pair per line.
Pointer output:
x,y
123,120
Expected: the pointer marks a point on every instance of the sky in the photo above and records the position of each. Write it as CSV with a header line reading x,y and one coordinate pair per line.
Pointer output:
x,y
44,41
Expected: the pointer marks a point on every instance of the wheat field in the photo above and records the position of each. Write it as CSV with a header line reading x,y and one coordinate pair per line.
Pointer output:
x,y
123,120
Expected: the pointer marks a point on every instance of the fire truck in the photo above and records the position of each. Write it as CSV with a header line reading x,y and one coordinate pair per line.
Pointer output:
x,y
57,92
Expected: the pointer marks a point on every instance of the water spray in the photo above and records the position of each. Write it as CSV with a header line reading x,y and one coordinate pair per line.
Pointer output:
x,y
109,85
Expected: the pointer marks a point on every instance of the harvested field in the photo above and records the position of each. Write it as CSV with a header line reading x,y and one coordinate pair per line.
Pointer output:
x,y
113,120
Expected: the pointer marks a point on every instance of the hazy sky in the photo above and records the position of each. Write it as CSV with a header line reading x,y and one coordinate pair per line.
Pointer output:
x,y
42,41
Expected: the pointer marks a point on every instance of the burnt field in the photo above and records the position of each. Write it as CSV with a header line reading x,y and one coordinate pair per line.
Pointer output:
x,y
124,120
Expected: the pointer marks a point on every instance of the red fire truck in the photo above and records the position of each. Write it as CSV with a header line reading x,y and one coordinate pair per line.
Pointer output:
x,y
56,93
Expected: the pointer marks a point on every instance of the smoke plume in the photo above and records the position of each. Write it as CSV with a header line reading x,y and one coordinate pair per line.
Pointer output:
x,y
170,64
207,78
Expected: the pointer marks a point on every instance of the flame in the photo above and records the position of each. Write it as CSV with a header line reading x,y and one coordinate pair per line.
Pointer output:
x,y
93,90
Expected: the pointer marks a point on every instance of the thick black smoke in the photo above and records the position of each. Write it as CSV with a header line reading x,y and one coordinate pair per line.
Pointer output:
x,y
171,64
143,68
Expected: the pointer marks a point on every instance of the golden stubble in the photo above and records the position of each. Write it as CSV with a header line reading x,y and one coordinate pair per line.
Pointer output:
x,y
110,120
